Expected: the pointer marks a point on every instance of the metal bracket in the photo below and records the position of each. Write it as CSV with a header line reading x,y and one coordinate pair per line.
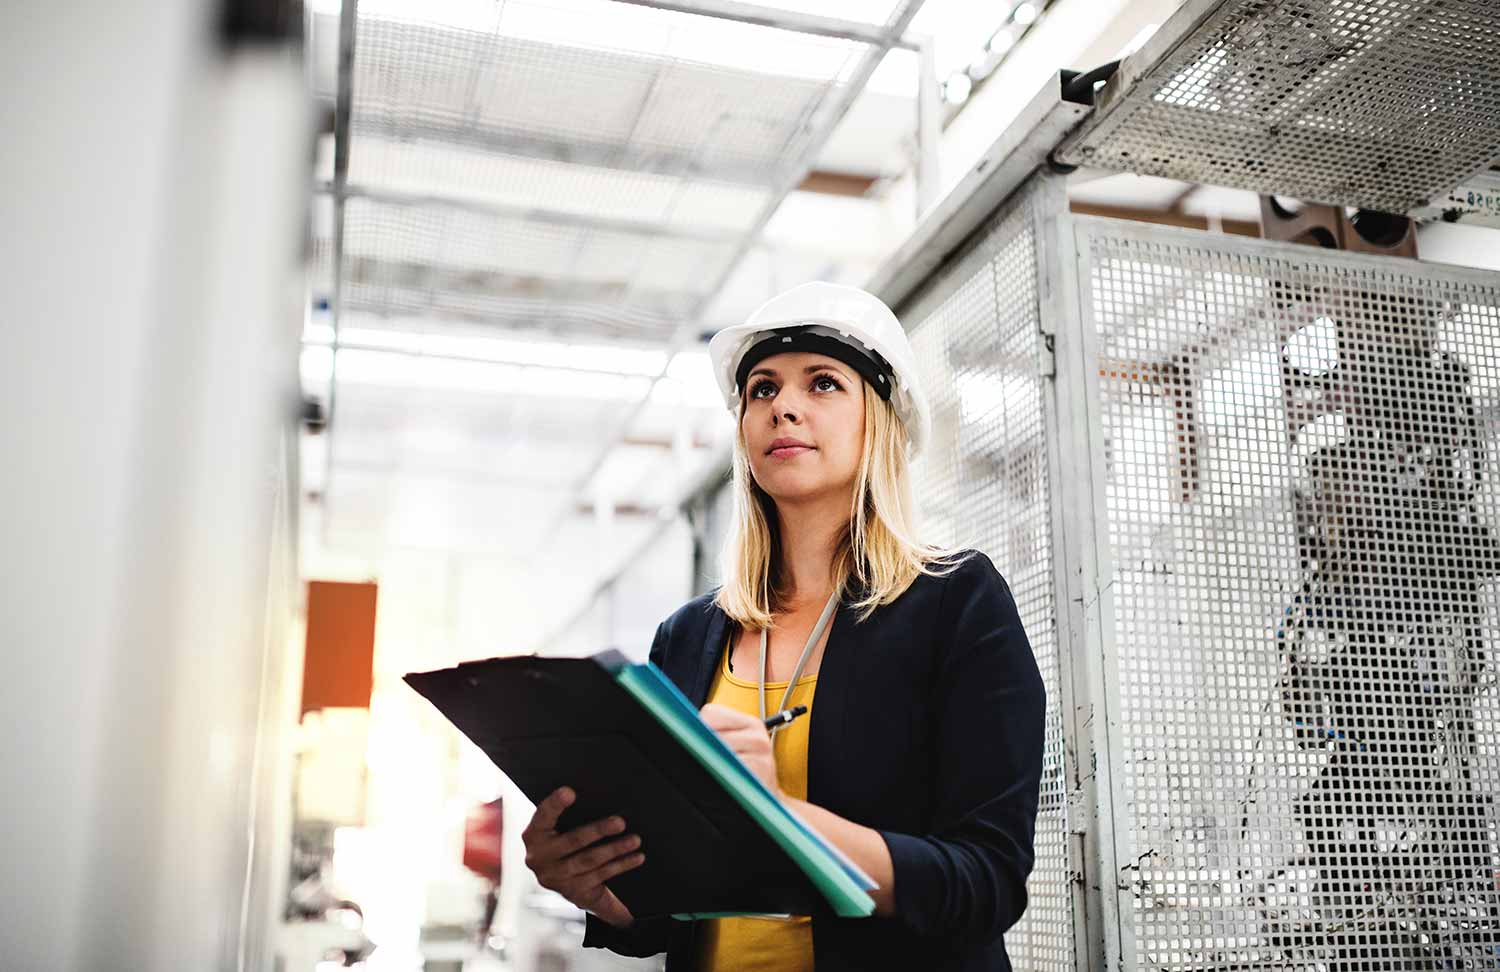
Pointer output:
x,y
1019,151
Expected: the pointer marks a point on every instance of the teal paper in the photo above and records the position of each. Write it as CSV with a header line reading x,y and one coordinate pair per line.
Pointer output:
x,y
837,878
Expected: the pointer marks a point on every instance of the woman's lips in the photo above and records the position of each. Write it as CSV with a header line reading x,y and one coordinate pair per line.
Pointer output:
x,y
787,452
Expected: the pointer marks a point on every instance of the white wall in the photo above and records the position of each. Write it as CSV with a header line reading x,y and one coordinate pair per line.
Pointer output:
x,y
150,199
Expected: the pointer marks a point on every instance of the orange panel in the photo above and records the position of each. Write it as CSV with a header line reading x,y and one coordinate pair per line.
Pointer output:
x,y
340,645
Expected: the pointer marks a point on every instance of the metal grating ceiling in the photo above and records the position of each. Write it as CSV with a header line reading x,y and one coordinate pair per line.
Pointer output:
x,y
1383,104
580,167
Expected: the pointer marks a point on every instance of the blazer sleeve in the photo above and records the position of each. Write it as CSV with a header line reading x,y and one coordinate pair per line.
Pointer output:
x,y
966,879
648,936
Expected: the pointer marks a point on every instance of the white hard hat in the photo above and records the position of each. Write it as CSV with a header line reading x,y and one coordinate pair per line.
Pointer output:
x,y
848,315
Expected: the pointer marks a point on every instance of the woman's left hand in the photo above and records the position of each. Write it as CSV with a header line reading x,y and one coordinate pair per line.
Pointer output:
x,y
747,737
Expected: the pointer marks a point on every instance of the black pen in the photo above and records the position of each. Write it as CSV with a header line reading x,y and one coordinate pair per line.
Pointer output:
x,y
785,716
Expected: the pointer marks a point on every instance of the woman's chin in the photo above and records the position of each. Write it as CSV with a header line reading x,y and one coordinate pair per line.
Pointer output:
x,y
796,489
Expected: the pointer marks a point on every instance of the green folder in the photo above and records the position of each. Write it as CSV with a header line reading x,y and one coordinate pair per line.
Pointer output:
x,y
630,744
838,878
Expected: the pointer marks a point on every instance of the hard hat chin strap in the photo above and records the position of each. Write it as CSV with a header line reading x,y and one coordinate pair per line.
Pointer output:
x,y
870,366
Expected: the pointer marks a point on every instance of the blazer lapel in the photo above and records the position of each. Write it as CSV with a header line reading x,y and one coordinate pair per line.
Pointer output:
x,y
713,645
832,700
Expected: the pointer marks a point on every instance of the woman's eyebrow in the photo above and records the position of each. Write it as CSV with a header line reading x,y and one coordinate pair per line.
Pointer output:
x,y
806,371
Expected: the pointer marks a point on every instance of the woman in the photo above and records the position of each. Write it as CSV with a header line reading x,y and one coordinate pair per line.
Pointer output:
x,y
921,754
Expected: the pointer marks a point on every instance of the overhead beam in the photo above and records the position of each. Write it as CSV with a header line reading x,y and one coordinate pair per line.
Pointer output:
x,y
343,106
383,286
837,183
598,154
533,214
1164,217
1022,148
793,20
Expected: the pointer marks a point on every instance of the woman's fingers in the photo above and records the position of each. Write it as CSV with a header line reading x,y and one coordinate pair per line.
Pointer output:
x,y
614,868
723,719
544,820
590,833
594,858
586,889
574,863
747,740
611,908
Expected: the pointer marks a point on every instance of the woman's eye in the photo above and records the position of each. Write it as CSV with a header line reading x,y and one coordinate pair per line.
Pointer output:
x,y
759,389
826,383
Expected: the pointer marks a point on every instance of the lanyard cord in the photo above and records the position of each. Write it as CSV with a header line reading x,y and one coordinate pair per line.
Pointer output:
x,y
812,640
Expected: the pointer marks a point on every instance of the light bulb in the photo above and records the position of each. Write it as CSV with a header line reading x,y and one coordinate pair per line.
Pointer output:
x,y
1002,41
957,88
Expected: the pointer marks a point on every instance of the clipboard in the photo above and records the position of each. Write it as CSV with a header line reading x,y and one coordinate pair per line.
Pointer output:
x,y
629,743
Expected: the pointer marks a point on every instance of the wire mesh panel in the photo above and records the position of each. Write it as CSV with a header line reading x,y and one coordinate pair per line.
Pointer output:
x,y
982,482
580,164
444,261
1386,104
1300,499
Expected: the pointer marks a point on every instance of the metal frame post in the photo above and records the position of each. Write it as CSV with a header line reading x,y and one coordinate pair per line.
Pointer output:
x,y
1098,848
929,127
780,19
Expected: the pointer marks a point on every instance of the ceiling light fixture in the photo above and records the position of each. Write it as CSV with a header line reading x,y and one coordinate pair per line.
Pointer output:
x,y
957,88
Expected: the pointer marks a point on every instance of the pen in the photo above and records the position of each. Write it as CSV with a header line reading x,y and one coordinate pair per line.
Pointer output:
x,y
785,716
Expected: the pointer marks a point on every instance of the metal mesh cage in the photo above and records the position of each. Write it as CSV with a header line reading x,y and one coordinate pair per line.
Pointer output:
x,y
982,482
1300,463
1386,104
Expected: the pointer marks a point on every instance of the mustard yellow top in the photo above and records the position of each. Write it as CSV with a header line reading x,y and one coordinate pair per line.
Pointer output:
x,y
763,944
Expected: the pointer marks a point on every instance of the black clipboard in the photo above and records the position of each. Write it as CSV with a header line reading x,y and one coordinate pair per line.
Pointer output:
x,y
551,722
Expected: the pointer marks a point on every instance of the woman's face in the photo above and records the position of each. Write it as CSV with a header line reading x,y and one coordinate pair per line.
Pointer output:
x,y
804,425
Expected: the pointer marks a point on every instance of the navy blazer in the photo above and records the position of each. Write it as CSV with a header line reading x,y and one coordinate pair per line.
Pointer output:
x,y
927,725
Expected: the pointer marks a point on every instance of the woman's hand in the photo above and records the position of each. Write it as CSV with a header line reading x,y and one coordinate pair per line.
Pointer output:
x,y
575,864
748,738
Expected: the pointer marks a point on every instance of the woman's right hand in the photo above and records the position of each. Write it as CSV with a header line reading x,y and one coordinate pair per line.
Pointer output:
x,y
571,865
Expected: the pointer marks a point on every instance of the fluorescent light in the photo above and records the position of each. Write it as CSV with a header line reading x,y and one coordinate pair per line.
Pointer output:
x,y
1025,14
317,334
548,354
957,88
1002,40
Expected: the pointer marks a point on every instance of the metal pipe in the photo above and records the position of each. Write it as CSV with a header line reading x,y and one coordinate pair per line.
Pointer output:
x,y
343,104
929,126
793,20
551,217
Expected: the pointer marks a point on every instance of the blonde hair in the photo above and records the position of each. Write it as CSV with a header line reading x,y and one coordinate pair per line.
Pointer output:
x,y
878,552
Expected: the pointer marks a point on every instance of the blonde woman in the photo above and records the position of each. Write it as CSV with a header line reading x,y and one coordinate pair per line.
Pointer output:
x,y
921,754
